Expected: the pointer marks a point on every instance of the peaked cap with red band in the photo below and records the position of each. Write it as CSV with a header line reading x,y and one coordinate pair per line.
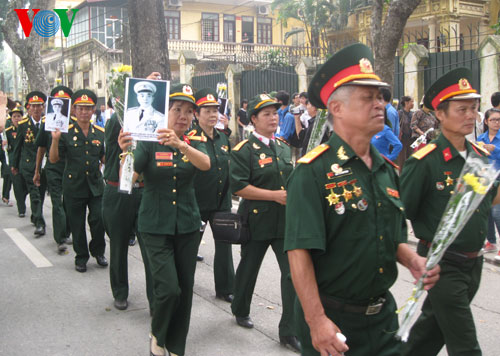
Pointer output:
x,y
351,65
61,92
206,97
36,97
84,97
454,85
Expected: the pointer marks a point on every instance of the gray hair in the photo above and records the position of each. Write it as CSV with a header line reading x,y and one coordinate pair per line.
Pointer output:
x,y
341,94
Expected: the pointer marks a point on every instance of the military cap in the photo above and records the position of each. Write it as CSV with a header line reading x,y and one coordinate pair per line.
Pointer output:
x,y
144,86
351,65
260,102
182,92
35,97
84,97
56,102
206,97
18,109
454,85
61,92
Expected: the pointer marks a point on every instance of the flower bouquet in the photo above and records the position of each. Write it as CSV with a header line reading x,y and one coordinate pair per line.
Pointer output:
x,y
473,184
116,89
318,129
222,90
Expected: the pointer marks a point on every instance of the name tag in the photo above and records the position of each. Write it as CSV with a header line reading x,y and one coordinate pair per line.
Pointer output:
x,y
164,156
164,164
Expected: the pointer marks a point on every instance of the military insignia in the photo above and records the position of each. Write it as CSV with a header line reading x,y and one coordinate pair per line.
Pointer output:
x,y
185,159
262,156
164,164
347,194
96,142
341,154
357,190
76,130
265,161
424,151
61,93
239,145
35,98
463,84
210,97
75,138
339,172
362,205
447,154
336,168
256,146
330,185
365,66
340,208
448,180
14,134
332,198
224,148
264,97
392,192
313,154
439,185
186,89
168,156
85,97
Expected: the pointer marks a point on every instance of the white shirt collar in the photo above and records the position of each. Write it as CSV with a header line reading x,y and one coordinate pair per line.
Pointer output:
x,y
263,139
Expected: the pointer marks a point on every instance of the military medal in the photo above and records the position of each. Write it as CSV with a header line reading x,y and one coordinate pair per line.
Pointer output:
x,y
185,159
357,190
448,180
262,156
341,154
347,194
340,208
224,148
164,156
332,198
392,192
439,185
362,205
336,168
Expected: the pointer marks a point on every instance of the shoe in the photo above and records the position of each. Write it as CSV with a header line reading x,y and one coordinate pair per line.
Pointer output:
x,y
101,261
244,321
7,202
121,304
40,231
153,340
131,242
62,248
22,215
489,247
497,257
225,297
200,258
81,268
68,240
291,342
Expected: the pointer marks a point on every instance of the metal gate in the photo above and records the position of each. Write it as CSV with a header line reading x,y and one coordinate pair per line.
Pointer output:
x,y
255,82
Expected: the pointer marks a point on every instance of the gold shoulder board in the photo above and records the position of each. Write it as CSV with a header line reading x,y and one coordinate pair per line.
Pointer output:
x,y
191,133
197,138
70,126
23,121
9,128
314,153
424,151
99,128
73,118
480,148
239,145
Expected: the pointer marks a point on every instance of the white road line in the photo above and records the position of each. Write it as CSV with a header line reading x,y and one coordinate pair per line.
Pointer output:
x,y
28,249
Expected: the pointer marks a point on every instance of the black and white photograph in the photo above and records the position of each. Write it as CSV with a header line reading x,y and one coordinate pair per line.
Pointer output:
x,y
223,103
57,114
146,105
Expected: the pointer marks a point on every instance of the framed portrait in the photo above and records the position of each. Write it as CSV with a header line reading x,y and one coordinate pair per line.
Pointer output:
x,y
57,114
146,107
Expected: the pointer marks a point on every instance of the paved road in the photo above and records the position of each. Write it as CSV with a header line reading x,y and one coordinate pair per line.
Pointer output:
x,y
54,310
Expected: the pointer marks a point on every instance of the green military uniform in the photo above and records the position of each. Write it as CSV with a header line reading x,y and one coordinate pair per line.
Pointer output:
x,y
427,183
119,214
18,183
54,174
212,191
82,183
267,167
169,222
5,173
351,220
25,160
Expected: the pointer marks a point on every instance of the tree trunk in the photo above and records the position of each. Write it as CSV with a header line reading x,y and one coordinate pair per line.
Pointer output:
x,y
386,36
148,39
27,49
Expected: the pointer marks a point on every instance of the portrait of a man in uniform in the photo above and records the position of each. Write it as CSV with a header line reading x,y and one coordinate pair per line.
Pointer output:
x,y
57,116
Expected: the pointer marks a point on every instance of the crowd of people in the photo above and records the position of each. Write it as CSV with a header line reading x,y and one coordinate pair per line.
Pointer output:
x,y
335,215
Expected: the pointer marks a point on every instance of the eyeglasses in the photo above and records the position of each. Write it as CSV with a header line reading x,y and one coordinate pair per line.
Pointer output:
x,y
495,121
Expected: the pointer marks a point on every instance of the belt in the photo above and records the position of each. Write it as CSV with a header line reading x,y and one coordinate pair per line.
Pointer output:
x,y
368,309
454,254
116,184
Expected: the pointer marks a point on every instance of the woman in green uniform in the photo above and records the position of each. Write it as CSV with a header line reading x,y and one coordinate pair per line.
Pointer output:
x,y
169,219
212,186
259,169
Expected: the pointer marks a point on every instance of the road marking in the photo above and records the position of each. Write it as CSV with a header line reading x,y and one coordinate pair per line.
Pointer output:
x,y
28,249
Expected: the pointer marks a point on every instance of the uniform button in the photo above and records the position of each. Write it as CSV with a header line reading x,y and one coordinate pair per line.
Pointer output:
x,y
282,188
451,192
27,159
173,202
477,210
76,145
220,181
175,165
87,163
217,156
86,152
281,173
175,153
381,237
174,190
379,204
255,211
402,209
277,158
69,175
380,270
220,193
220,169
87,172
175,177
86,142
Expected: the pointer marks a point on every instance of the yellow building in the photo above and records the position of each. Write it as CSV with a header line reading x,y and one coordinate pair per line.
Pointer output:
x,y
439,25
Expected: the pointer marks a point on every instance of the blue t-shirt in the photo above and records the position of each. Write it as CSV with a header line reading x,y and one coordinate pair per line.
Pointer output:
x,y
393,117
495,154
383,141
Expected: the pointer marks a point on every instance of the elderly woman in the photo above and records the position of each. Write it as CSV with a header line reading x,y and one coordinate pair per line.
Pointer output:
x,y
169,219
259,169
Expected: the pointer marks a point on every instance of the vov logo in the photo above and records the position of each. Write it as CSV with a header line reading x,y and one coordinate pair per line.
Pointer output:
x,y
46,23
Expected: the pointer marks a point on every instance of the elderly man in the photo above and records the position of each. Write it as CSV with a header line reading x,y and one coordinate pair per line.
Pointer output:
x,y
56,119
144,118
345,222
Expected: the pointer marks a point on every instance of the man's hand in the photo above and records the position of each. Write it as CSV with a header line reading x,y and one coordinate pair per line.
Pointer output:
x,y
14,171
154,76
56,135
324,337
36,178
280,197
124,140
224,120
417,269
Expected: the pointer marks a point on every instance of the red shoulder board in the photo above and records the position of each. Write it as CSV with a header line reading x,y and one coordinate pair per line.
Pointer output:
x,y
282,140
186,139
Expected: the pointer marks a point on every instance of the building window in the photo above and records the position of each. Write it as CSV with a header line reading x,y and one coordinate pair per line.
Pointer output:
x,y
210,27
173,23
229,28
86,79
70,80
247,29
264,30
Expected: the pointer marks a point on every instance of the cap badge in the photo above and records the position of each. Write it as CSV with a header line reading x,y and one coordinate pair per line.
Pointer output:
x,y
186,89
365,66
210,97
264,97
35,97
85,97
61,92
464,84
